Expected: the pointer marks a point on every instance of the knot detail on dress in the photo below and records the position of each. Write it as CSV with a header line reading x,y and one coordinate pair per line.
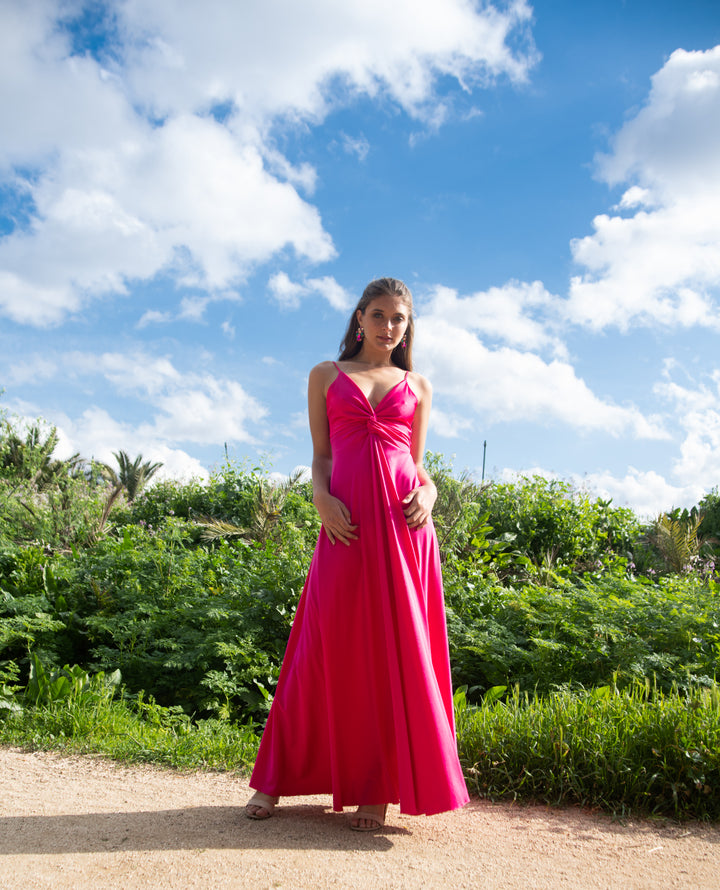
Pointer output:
x,y
375,428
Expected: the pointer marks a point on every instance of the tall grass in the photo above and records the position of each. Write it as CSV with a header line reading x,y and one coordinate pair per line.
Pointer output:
x,y
632,750
89,719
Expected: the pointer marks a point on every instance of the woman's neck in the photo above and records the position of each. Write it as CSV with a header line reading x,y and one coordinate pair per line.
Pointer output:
x,y
372,362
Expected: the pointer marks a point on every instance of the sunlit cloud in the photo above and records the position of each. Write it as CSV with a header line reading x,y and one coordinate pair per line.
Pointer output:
x,y
155,156
659,265
503,384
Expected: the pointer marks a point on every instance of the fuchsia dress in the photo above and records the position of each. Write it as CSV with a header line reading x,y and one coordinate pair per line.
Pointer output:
x,y
363,708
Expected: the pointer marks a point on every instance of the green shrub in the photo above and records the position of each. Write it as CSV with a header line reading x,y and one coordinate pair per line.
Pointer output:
x,y
583,634
555,524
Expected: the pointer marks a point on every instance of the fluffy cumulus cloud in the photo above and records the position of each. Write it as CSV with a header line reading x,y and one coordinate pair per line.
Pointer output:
x,y
484,356
693,414
97,435
698,411
189,406
518,314
656,259
179,408
155,155
647,492
289,294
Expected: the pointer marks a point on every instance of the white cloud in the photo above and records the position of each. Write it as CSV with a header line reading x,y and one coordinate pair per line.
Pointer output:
x,y
335,294
31,370
95,434
198,56
205,410
189,407
355,145
154,316
698,416
696,470
186,407
662,264
518,314
286,292
448,424
161,159
505,384
289,294
647,492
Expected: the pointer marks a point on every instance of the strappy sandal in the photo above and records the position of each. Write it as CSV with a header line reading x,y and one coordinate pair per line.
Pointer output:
x,y
370,816
262,802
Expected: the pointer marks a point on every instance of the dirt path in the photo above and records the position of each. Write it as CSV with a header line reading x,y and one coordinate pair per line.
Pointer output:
x,y
83,822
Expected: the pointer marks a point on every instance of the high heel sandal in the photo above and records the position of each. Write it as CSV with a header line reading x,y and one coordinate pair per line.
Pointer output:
x,y
369,816
261,802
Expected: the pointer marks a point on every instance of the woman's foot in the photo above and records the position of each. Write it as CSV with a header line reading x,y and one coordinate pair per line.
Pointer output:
x,y
260,806
370,817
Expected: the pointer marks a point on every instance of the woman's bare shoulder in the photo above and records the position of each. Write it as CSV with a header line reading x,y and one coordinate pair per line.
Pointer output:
x,y
420,385
323,374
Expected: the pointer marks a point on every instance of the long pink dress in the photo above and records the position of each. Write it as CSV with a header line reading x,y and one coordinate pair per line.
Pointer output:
x,y
363,707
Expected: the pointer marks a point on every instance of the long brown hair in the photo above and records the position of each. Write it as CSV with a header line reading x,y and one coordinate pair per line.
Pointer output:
x,y
381,287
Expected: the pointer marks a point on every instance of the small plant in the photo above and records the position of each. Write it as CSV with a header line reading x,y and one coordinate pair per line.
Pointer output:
x,y
676,538
67,683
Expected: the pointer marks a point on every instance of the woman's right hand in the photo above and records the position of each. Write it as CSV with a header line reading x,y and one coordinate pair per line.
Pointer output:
x,y
335,518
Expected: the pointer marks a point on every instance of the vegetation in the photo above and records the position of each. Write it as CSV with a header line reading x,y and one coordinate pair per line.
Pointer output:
x,y
149,622
636,749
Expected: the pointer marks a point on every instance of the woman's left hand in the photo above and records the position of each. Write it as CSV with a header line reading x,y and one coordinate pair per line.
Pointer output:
x,y
418,504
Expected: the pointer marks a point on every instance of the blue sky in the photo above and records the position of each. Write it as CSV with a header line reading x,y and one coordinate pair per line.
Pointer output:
x,y
193,196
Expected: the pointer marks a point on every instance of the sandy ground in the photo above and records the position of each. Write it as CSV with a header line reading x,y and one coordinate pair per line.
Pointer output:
x,y
84,822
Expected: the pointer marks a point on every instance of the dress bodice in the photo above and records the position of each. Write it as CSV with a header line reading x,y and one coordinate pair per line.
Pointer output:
x,y
351,416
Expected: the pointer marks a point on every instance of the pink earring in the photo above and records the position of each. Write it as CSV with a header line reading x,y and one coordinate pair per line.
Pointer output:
x,y
360,334
404,341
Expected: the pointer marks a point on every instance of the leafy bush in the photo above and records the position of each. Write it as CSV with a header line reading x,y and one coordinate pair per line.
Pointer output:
x,y
584,634
709,510
554,524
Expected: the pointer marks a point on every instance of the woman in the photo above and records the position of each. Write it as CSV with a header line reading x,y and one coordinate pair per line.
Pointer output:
x,y
363,707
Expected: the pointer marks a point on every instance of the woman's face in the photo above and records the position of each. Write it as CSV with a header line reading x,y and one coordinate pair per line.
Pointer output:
x,y
384,321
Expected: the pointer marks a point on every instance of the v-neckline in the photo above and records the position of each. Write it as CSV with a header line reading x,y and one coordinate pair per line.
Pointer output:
x,y
367,400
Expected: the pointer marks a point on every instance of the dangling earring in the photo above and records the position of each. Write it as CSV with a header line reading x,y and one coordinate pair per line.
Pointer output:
x,y
360,334
404,341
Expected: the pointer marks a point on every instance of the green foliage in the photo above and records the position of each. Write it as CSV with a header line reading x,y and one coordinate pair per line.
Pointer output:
x,y
635,750
30,458
542,589
677,541
709,509
611,625
132,476
201,628
57,502
555,525
68,683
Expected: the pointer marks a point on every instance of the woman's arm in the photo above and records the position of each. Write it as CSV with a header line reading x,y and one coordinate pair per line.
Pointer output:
x,y
334,515
419,502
